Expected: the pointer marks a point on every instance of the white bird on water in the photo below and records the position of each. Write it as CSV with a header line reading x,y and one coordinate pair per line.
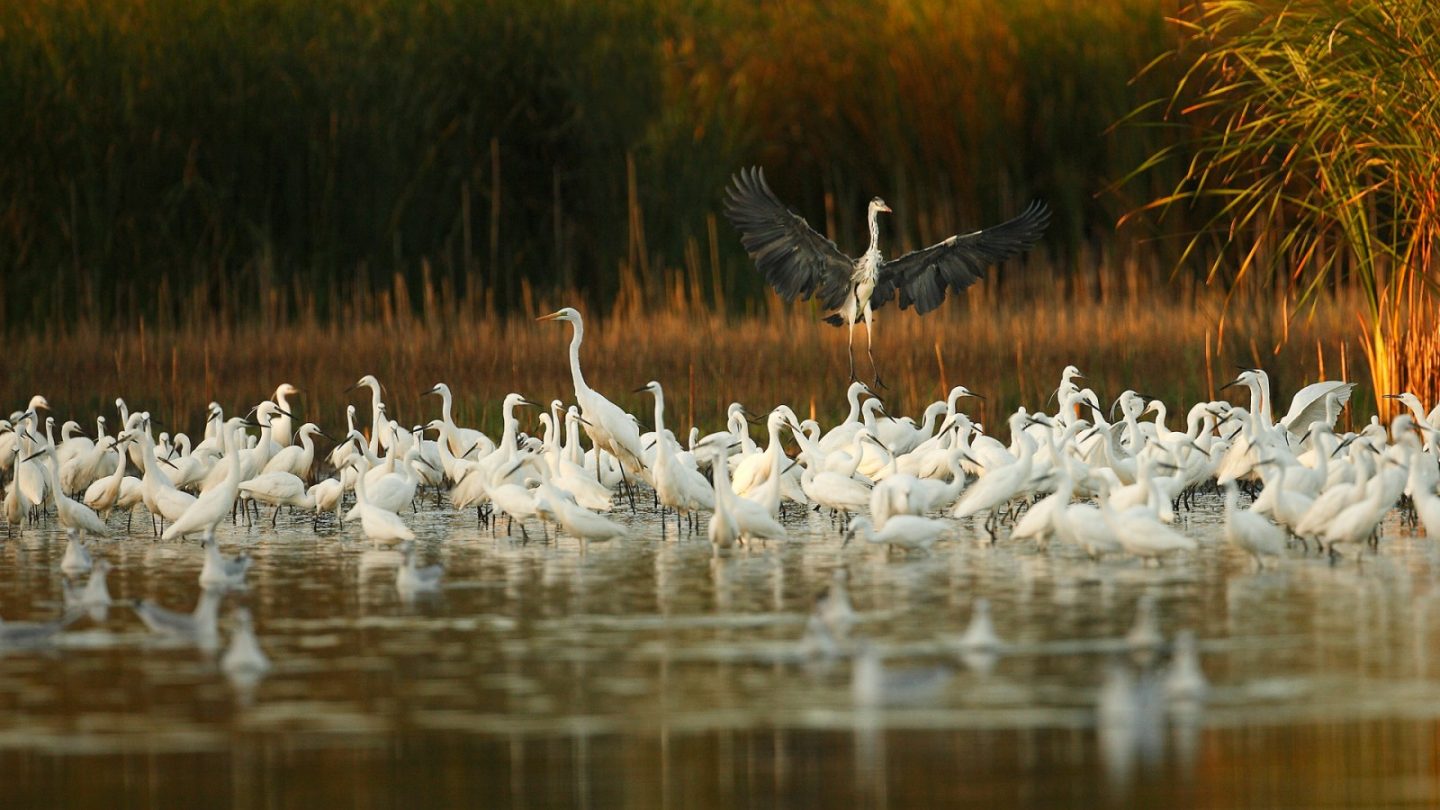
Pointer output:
x,y
735,518
378,524
677,486
72,513
580,522
1250,532
910,532
217,502
610,427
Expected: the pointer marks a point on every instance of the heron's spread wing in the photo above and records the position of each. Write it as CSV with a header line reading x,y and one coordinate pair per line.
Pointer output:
x,y
797,261
922,277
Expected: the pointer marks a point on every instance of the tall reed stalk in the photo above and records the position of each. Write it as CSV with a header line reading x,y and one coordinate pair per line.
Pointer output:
x,y
1315,145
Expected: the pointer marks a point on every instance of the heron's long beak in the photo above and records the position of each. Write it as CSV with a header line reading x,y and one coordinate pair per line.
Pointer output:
x,y
884,208
528,402
551,317
642,389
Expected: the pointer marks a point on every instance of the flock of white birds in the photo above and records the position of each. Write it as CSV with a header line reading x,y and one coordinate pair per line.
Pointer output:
x,y
1103,480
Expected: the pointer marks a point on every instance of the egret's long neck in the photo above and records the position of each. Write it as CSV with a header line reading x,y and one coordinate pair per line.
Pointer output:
x,y
775,427
874,232
445,406
575,374
659,417
508,440
854,396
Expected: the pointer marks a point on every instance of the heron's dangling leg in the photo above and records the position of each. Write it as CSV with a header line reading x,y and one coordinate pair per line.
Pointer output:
x,y
850,348
869,346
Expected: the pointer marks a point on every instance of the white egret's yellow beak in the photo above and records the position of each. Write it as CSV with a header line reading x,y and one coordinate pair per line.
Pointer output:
x,y
552,316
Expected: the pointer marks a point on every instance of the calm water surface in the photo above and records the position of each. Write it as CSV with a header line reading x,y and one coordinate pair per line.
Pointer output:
x,y
654,673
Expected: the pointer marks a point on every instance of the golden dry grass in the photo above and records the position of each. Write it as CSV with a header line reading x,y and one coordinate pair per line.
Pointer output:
x,y
1161,340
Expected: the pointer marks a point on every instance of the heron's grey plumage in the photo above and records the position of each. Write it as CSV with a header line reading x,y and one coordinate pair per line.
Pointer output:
x,y
798,262
922,277
801,264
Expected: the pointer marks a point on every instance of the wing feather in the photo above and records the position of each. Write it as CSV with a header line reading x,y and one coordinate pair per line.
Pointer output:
x,y
922,278
798,262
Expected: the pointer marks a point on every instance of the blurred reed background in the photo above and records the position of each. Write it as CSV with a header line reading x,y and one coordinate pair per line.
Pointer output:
x,y
168,157
249,191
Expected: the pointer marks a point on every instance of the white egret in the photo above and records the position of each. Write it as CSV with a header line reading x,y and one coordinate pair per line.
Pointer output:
x,y
577,521
328,495
378,524
735,518
214,504
676,486
910,532
458,438
279,489
1141,533
102,493
71,513
1248,531
296,459
843,433
609,427
999,485
281,427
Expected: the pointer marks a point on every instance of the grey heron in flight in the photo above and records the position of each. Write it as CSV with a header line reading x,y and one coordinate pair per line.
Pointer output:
x,y
800,263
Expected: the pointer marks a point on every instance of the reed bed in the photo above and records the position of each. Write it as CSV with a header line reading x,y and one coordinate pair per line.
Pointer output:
x,y
1177,342
1314,135
155,150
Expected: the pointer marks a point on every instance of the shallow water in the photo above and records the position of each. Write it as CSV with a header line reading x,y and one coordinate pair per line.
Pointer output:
x,y
655,673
